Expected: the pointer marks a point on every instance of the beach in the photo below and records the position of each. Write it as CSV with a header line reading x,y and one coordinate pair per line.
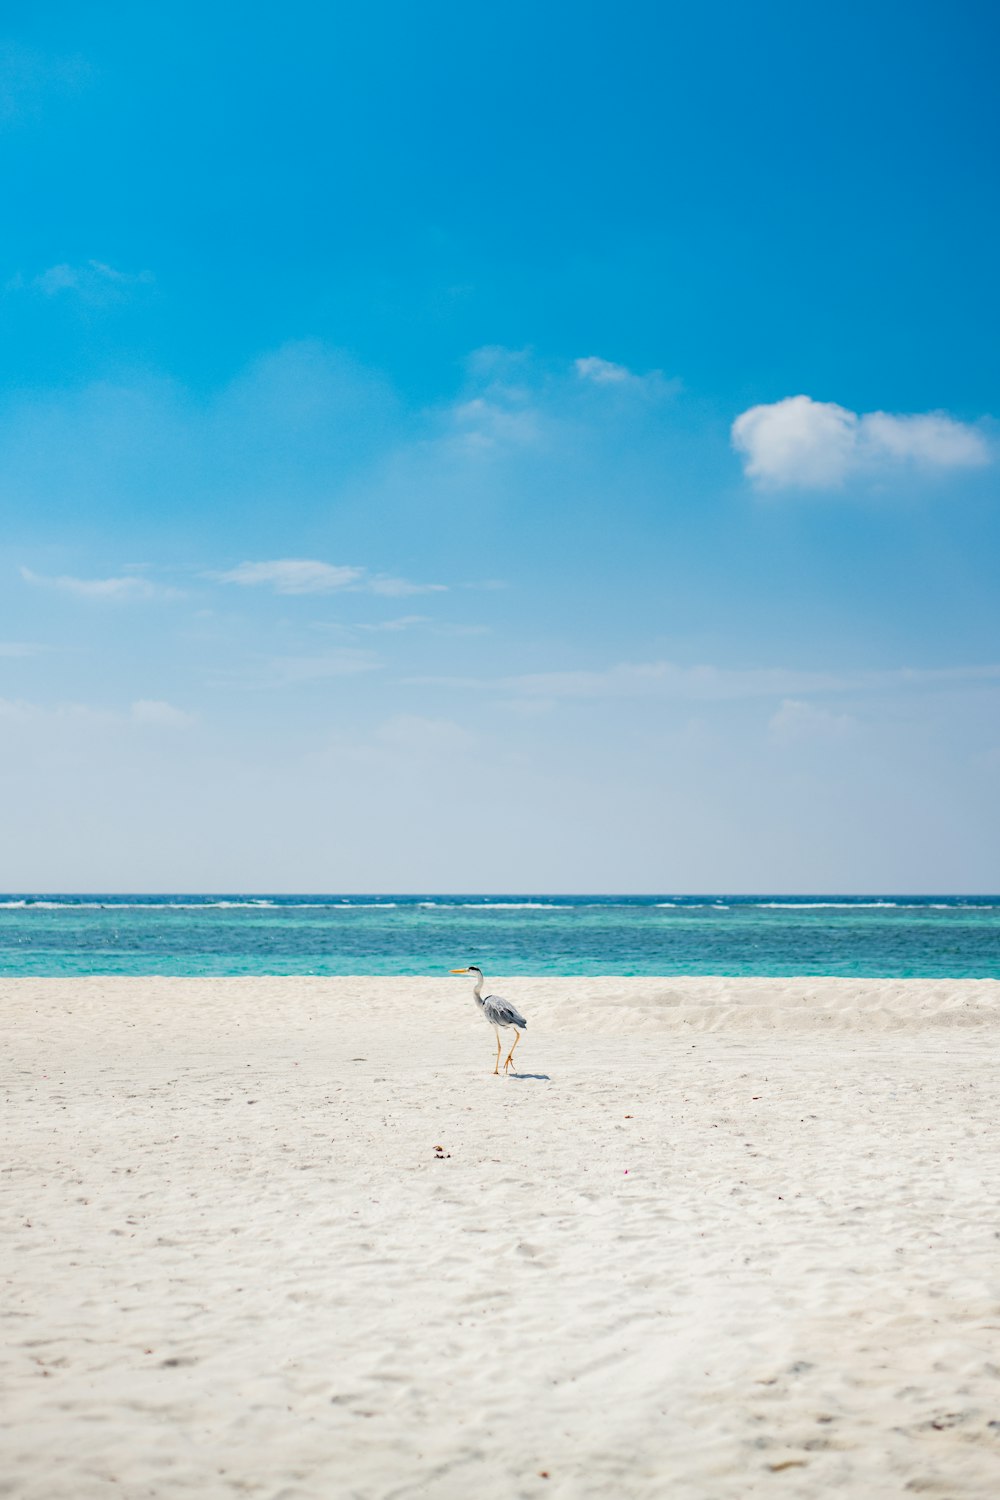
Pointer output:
x,y
291,1239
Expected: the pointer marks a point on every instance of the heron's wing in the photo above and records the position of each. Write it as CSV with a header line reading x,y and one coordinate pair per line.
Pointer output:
x,y
501,1012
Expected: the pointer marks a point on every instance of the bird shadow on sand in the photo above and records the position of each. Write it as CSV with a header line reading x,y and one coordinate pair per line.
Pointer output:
x,y
530,1077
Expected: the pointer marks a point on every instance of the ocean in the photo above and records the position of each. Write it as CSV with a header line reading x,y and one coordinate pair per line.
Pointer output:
x,y
862,936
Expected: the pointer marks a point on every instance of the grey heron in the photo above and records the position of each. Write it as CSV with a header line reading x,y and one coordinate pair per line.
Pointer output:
x,y
498,1012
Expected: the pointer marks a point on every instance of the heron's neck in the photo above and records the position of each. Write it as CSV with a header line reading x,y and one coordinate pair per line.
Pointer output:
x,y
477,988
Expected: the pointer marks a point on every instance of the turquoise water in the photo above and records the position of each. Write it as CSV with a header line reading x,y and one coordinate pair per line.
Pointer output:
x,y
873,936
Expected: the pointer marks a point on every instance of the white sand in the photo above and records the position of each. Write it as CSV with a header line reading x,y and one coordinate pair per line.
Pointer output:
x,y
727,1238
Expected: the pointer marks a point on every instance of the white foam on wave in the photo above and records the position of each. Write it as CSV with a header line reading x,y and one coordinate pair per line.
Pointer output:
x,y
261,903
510,906
255,905
828,905
493,906
694,905
874,905
226,905
56,905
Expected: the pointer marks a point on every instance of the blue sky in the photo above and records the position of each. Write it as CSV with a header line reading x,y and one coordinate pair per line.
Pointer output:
x,y
492,448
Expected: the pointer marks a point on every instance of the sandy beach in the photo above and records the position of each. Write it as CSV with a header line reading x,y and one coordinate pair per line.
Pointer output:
x,y
290,1239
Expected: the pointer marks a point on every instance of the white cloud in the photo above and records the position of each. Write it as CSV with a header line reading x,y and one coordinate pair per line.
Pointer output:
x,y
94,281
795,721
394,625
152,712
401,622
797,441
344,663
291,575
494,421
664,679
19,711
496,361
601,371
517,403
160,715
818,445
56,279
417,734
20,648
299,575
398,588
288,671
932,439
593,370
667,679
127,587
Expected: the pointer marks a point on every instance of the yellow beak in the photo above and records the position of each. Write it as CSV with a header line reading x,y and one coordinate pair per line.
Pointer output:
x,y
459,971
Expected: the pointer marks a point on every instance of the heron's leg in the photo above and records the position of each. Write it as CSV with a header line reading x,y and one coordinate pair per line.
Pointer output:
x,y
510,1054
496,1068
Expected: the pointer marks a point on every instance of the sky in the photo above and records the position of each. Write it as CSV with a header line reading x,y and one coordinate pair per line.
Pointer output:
x,y
500,448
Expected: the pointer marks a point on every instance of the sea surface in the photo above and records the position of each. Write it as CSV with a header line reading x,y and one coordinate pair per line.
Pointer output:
x,y
870,936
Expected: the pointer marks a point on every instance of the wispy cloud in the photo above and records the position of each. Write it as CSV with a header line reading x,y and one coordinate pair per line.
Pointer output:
x,y
297,575
291,575
94,281
796,721
418,735
494,362
130,586
805,444
284,671
515,402
501,419
345,663
153,713
399,588
19,711
503,408
402,623
12,649
666,679
602,371
593,370
157,714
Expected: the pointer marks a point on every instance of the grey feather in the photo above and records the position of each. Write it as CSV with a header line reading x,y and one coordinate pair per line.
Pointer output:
x,y
500,1012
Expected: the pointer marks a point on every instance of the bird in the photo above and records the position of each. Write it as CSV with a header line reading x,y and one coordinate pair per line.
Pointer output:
x,y
498,1012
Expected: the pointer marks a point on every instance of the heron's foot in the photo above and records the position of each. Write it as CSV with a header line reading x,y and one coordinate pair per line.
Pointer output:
x,y
507,1062
496,1070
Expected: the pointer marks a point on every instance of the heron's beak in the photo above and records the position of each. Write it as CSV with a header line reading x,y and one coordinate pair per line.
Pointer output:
x,y
459,971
